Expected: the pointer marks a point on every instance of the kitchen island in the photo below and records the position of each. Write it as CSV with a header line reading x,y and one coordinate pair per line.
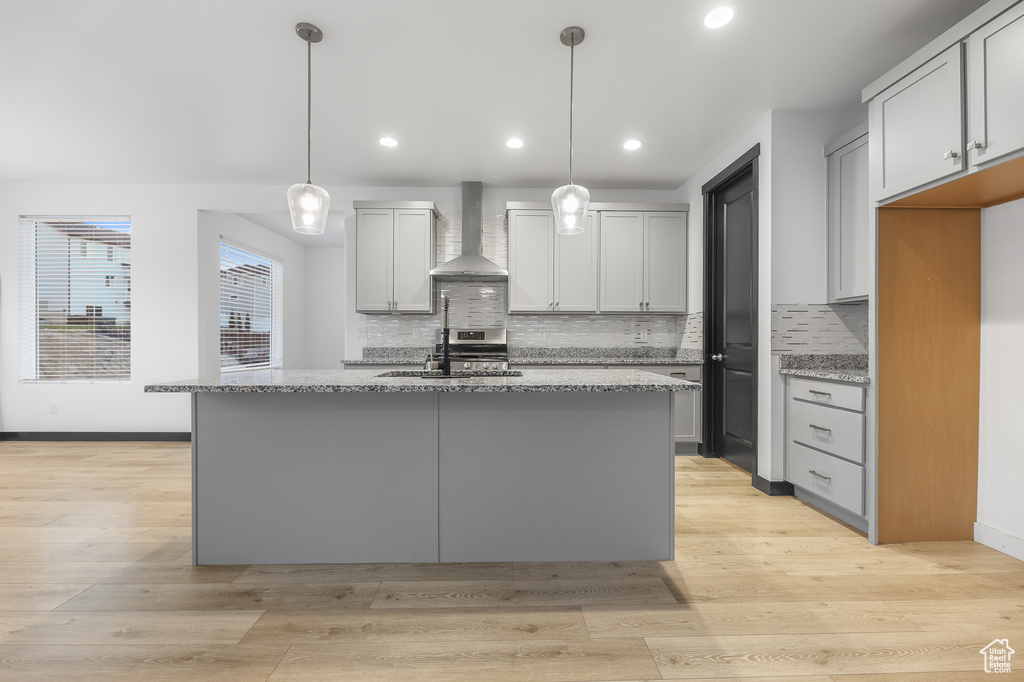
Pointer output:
x,y
348,466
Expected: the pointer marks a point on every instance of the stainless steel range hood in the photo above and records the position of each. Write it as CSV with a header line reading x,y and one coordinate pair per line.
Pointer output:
x,y
471,266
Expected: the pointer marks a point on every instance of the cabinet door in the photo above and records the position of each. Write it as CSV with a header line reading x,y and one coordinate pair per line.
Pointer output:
x,y
622,262
414,250
848,221
995,84
576,269
374,262
687,418
919,124
665,262
530,261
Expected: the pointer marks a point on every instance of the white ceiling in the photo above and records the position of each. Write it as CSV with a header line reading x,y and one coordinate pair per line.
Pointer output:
x,y
214,91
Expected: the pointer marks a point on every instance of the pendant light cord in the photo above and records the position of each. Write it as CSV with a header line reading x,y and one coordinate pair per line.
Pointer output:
x,y
572,66
309,111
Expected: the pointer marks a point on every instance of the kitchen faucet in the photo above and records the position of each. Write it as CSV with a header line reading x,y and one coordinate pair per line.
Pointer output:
x,y
446,361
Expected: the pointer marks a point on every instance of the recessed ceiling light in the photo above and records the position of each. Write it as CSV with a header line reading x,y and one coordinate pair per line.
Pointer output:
x,y
632,144
720,16
389,141
514,143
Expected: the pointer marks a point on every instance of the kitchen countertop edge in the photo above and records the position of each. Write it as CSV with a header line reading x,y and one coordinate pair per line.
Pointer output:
x,y
367,381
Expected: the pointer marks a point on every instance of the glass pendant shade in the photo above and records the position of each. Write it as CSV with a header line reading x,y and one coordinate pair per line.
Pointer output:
x,y
569,203
308,206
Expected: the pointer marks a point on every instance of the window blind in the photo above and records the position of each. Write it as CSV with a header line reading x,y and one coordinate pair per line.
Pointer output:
x,y
75,299
251,301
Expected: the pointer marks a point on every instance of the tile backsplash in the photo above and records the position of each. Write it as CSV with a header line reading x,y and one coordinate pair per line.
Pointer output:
x,y
480,304
840,328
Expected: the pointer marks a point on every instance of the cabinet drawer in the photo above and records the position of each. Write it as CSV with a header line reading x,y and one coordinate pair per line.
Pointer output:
x,y
827,477
847,396
827,428
687,372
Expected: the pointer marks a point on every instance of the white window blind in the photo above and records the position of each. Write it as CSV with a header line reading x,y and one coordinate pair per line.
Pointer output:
x,y
75,298
251,301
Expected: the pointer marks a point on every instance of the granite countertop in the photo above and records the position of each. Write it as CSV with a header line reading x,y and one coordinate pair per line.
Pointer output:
x,y
370,381
849,368
528,355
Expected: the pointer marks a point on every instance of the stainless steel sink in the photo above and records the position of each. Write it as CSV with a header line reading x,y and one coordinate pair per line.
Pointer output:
x,y
456,374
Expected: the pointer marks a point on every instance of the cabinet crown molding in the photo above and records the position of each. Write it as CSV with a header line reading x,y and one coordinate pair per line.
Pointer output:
x,y
598,206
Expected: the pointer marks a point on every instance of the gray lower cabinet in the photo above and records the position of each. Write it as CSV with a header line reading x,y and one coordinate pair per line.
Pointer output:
x,y
825,446
688,404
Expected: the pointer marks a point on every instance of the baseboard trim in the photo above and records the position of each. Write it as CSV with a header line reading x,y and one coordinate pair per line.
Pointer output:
x,y
999,540
93,436
772,488
855,521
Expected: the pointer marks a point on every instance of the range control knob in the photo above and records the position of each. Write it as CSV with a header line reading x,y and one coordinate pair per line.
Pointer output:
x,y
465,365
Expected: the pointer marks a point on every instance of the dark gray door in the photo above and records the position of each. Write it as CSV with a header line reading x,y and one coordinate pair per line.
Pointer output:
x,y
731,310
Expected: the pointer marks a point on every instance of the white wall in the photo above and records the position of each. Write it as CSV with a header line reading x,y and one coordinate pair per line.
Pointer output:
x,y
325,307
174,322
799,201
1000,448
213,227
165,293
791,240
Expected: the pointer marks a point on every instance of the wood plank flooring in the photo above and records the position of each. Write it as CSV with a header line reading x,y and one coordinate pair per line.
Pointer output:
x,y
96,583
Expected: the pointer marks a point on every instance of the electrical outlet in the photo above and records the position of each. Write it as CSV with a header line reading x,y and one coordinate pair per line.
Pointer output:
x,y
415,332
53,408
542,334
361,333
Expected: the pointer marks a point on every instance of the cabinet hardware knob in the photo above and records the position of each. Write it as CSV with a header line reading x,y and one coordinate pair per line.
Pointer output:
x,y
815,473
974,144
825,393
951,154
717,357
820,428
557,304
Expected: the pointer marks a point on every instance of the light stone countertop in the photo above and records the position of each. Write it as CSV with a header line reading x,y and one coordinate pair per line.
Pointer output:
x,y
849,368
370,381
851,376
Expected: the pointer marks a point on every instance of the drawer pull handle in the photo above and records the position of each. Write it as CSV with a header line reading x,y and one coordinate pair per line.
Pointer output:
x,y
813,392
815,473
678,374
820,428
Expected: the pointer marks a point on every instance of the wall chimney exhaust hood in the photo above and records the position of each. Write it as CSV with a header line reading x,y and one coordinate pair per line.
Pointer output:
x,y
471,266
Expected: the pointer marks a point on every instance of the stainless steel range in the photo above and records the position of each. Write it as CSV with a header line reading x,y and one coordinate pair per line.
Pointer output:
x,y
473,350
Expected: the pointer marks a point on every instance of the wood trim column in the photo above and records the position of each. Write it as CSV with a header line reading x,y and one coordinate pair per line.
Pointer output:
x,y
929,344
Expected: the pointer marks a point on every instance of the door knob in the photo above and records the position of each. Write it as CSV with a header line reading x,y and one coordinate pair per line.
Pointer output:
x,y
717,357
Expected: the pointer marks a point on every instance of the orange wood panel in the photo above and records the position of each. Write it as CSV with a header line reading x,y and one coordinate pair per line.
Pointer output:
x,y
929,341
982,189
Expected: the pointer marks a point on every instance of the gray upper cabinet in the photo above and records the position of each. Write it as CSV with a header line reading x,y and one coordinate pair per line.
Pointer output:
x,y
643,262
394,256
917,126
550,272
995,85
848,216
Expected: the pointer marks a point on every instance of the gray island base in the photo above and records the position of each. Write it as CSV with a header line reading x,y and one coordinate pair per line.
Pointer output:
x,y
332,467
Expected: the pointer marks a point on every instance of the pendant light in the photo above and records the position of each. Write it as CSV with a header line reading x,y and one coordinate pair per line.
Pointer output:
x,y
569,202
308,203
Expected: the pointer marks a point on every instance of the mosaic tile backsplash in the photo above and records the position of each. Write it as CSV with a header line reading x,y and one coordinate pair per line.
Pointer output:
x,y
478,304
839,329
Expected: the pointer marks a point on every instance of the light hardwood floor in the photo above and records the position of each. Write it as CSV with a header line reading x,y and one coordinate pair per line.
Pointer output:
x,y
96,583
